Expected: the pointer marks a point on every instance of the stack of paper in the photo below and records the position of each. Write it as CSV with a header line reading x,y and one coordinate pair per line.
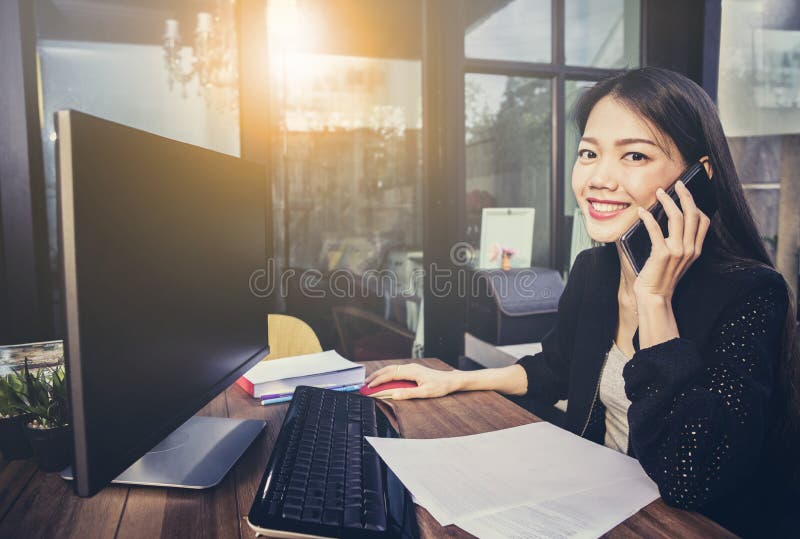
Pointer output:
x,y
279,377
536,480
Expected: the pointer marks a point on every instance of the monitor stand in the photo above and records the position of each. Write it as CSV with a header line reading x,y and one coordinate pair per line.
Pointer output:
x,y
196,455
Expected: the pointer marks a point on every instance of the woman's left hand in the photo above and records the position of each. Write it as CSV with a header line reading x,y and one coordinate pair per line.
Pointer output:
x,y
670,257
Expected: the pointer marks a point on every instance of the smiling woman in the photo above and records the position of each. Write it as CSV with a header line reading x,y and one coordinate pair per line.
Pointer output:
x,y
689,366
614,176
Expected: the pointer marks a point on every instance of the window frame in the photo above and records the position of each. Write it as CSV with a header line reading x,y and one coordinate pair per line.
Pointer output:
x,y
557,71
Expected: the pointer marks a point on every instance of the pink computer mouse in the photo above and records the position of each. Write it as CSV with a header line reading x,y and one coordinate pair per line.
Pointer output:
x,y
385,388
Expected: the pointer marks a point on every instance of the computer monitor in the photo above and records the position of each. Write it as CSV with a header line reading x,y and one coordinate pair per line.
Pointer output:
x,y
159,240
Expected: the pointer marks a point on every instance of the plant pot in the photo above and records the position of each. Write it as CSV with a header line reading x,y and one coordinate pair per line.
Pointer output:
x,y
51,447
13,442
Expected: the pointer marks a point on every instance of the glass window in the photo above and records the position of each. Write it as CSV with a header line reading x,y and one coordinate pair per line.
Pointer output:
x,y
125,82
508,145
347,173
577,237
350,161
519,30
572,90
759,104
602,33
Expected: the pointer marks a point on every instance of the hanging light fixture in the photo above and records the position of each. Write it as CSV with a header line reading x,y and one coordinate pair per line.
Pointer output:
x,y
213,60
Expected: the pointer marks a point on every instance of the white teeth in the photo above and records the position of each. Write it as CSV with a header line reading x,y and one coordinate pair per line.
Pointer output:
x,y
603,207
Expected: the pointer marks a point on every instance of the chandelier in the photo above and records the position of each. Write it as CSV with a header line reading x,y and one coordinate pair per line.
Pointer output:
x,y
213,59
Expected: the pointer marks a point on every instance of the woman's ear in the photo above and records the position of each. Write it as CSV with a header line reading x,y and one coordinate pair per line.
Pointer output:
x,y
707,163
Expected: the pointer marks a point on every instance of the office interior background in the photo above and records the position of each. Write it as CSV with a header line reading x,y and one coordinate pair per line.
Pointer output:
x,y
385,128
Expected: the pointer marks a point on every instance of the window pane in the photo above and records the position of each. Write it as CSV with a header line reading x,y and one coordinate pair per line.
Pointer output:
x,y
759,105
602,33
116,70
572,90
508,130
349,195
351,156
346,99
577,239
519,30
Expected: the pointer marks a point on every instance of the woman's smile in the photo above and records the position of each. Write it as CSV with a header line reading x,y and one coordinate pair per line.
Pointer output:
x,y
605,209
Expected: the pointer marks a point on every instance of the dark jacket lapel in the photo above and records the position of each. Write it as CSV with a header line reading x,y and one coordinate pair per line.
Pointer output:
x,y
596,326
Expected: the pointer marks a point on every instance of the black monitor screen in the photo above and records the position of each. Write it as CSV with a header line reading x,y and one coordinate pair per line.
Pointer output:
x,y
159,240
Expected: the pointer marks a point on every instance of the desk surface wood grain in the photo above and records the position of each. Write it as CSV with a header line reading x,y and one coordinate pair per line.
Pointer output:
x,y
34,504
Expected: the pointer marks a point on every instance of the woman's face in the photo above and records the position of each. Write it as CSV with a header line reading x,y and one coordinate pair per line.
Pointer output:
x,y
622,161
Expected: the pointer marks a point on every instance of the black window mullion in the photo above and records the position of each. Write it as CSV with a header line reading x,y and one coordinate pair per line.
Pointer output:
x,y
444,188
557,134
558,73
587,73
510,69
557,173
536,70
643,17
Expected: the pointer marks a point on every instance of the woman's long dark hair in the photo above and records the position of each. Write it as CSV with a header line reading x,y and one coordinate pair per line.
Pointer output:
x,y
681,110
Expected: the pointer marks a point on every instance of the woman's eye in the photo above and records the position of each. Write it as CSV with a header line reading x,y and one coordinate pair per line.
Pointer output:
x,y
636,156
589,154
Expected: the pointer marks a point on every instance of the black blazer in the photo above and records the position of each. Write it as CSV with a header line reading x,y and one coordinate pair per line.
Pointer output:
x,y
701,404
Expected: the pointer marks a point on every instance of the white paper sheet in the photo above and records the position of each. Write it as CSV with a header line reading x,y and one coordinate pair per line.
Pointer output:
x,y
582,515
462,478
521,350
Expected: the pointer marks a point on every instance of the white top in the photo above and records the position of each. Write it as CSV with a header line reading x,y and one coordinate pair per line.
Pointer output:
x,y
612,395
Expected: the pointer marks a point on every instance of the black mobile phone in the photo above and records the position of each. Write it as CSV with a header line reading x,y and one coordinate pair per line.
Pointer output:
x,y
635,242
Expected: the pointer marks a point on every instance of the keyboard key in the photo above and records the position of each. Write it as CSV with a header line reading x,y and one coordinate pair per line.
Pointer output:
x,y
293,501
333,501
375,520
313,501
372,476
352,517
373,501
292,512
315,492
332,517
274,508
299,492
317,476
312,514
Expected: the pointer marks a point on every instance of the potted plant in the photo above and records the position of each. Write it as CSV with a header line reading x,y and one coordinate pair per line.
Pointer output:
x,y
49,433
13,442
505,252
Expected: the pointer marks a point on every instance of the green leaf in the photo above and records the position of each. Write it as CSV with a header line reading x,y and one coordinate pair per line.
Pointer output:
x,y
44,394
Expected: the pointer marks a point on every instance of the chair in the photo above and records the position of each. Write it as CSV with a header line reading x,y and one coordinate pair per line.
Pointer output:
x,y
366,336
290,336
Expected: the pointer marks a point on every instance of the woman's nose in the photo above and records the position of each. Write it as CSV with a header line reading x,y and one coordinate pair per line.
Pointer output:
x,y
602,177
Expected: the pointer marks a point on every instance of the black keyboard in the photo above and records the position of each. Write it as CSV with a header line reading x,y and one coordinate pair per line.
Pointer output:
x,y
323,477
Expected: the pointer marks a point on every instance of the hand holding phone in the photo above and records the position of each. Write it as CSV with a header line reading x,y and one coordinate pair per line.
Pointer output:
x,y
635,242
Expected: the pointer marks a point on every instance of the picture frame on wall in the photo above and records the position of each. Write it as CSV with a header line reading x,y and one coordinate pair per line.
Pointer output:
x,y
506,228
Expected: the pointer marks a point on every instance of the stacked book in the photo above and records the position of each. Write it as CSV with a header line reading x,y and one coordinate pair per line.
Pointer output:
x,y
275,380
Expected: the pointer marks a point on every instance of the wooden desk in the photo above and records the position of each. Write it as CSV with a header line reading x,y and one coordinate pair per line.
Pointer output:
x,y
33,504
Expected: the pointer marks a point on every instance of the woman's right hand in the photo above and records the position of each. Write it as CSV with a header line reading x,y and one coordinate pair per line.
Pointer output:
x,y
430,382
